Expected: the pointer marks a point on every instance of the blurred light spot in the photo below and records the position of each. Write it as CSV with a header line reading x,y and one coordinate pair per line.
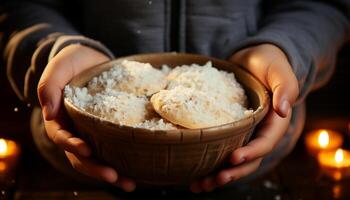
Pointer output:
x,y
3,166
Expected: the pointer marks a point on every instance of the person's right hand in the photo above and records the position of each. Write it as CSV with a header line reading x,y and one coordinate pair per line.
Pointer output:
x,y
69,62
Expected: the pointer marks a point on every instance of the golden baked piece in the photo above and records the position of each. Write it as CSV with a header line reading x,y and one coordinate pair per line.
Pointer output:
x,y
115,106
131,77
193,108
219,84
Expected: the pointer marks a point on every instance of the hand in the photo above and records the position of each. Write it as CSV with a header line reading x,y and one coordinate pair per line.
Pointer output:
x,y
69,62
270,65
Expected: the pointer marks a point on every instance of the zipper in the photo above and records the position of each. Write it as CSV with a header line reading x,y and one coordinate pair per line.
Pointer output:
x,y
175,25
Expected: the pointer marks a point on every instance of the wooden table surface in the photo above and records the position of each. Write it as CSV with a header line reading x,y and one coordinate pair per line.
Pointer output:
x,y
296,177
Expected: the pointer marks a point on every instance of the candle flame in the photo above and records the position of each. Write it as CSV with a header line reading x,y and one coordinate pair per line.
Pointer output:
x,y
323,138
3,147
339,156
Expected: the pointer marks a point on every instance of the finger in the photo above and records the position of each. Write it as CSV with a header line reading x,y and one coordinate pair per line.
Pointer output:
x,y
208,184
196,187
253,61
269,133
49,96
59,71
65,139
127,184
91,168
274,71
284,86
235,173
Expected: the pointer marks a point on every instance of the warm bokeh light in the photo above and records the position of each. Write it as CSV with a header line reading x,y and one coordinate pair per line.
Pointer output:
x,y
339,156
8,148
323,138
3,147
337,191
335,163
3,166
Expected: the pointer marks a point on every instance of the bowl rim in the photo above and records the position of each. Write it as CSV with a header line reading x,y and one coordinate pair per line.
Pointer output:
x,y
253,119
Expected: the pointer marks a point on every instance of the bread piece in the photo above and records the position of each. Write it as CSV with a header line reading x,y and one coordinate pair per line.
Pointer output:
x,y
193,109
115,106
219,84
131,77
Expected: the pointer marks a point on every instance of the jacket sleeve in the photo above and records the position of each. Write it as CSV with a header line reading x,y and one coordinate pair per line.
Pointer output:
x,y
30,31
309,32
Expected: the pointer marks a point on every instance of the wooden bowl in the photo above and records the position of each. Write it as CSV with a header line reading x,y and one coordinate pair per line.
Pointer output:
x,y
171,157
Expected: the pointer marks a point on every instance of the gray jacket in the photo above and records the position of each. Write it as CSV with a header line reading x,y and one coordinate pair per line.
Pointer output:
x,y
309,32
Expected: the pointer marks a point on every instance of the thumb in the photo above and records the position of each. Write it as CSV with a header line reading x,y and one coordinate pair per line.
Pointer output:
x,y
284,87
69,62
270,65
49,97
53,80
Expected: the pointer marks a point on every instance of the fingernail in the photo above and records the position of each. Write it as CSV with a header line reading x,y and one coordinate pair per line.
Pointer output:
x,y
129,187
284,107
237,161
208,185
223,178
110,175
240,161
84,152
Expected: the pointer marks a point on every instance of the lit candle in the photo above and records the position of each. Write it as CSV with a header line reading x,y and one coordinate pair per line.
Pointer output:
x,y
9,153
322,139
335,163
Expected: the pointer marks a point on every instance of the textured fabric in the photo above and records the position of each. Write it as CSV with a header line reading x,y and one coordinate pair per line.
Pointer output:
x,y
16,57
309,32
38,63
66,40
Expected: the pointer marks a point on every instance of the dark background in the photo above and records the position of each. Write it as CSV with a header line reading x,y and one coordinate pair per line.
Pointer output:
x,y
329,107
334,98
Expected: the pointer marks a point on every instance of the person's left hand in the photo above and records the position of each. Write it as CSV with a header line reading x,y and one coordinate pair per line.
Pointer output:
x,y
68,63
270,65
